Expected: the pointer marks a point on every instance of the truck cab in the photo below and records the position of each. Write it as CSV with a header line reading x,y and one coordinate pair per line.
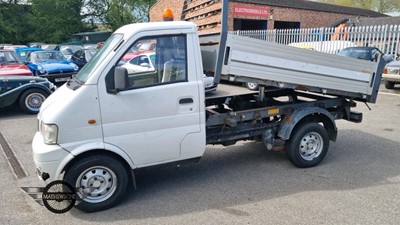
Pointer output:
x,y
144,118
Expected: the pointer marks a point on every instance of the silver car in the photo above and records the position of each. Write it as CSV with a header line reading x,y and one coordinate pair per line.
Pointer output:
x,y
391,74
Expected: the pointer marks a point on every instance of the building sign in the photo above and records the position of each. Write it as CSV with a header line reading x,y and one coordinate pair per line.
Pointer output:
x,y
245,10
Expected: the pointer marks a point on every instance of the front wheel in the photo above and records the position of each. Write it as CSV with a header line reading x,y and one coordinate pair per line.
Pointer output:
x,y
32,99
101,182
308,145
389,84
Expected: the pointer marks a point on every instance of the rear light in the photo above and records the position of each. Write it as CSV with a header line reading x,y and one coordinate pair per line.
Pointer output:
x,y
385,70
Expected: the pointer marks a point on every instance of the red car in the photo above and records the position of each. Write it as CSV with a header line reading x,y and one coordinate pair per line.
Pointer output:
x,y
10,64
141,47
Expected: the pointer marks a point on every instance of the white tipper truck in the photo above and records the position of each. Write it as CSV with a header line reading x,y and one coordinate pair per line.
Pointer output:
x,y
95,131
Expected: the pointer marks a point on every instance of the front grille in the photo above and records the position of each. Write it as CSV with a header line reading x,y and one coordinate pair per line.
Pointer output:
x,y
66,73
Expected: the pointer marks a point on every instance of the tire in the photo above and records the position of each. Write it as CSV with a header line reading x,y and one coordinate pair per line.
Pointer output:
x,y
308,145
101,182
389,84
252,86
31,100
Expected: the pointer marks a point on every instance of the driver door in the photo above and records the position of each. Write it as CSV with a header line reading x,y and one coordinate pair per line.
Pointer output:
x,y
156,119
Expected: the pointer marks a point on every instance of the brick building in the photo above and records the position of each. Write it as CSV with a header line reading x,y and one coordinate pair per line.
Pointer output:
x,y
259,14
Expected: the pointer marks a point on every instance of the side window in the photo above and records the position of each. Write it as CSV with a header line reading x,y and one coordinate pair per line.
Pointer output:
x,y
79,54
28,56
374,54
163,62
134,61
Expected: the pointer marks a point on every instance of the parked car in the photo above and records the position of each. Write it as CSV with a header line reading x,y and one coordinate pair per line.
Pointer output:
x,y
391,74
209,84
146,61
99,45
48,46
68,50
23,52
27,91
89,37
141,63
141,47
13,47
35,44
365,53
52,65
10,64
81,57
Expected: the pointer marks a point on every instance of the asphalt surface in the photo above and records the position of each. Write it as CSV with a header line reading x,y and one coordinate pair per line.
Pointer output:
x,y
357,183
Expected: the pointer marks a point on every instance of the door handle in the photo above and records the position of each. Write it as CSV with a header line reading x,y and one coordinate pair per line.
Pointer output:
x,y
186,101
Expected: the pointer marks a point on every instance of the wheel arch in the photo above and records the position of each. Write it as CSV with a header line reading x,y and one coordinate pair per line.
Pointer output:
x,y
35,86
109,150
15,94
311,114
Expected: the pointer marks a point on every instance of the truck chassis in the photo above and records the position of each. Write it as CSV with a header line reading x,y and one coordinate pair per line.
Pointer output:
x,y
278,114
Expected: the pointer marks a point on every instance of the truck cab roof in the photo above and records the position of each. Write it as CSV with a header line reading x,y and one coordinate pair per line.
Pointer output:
x,y
132,29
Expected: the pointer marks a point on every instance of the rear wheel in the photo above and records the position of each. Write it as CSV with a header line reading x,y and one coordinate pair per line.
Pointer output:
x,y
31,100
389,84
308,145
101,182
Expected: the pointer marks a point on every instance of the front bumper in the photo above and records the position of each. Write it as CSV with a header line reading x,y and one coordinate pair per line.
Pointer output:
x,y
391,77
57,77
48,158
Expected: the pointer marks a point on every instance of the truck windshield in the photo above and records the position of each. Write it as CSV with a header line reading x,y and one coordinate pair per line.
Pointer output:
x,y
108,46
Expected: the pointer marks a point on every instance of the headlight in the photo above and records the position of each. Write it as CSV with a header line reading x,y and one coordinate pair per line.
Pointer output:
x,y
73,65
50,133
393,71
41,70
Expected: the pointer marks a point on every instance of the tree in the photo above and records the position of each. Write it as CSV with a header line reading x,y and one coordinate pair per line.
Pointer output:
x,y
385,6
94,11
116,13
13,26
120,13
382,6
144,9
55,20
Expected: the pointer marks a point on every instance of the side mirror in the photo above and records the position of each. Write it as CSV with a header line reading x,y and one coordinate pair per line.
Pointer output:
x,y
145,65
120,79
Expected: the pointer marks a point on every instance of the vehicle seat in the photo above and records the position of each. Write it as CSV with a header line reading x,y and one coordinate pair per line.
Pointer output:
x,y
174,70
167,74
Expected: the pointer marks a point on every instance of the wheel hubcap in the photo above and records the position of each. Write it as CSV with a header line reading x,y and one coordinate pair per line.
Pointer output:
x,y
311,146
34,101
96,184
